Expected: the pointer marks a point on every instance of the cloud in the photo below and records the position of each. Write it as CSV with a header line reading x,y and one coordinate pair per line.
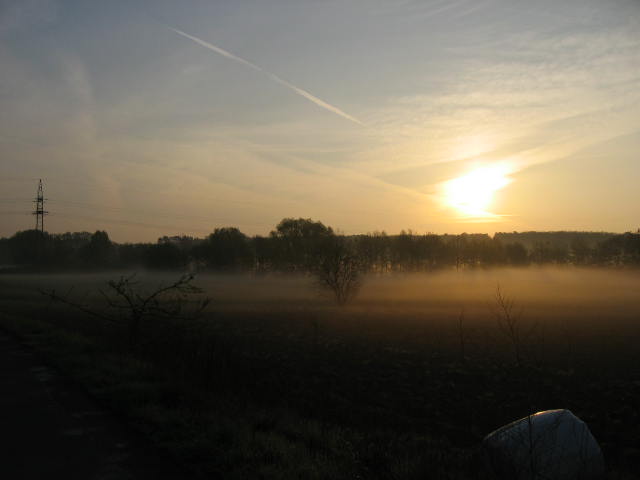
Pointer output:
x,y
529,100
321,103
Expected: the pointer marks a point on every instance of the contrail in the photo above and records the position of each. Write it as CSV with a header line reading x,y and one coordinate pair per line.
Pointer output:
x,y
272,76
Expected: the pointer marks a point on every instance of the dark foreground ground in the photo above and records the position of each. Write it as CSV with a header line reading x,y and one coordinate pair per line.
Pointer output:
x,y
275,383
52,429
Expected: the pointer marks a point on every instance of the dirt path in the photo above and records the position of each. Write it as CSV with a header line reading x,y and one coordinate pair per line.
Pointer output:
x,y
49,428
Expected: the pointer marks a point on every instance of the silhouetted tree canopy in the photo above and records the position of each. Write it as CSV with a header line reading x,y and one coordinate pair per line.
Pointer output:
x,y
300,243
304,245
98,251
226,248
516,254
164,256
30,247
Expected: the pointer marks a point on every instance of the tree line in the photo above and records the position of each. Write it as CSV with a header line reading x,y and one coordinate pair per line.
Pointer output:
x,y
304,245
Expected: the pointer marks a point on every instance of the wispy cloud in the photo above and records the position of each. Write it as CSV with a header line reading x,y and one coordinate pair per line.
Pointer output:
x,y
531,100
321,103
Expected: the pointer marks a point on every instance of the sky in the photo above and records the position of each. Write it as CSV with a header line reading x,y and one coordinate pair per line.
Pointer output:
x,y
151,118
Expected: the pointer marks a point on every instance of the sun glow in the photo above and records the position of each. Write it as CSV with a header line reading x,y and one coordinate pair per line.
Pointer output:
x,y
472,194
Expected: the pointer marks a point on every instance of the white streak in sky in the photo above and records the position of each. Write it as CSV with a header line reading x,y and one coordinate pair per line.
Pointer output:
x,y
272,76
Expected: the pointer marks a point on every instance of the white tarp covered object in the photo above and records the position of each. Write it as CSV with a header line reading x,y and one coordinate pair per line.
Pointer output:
x,y
550,445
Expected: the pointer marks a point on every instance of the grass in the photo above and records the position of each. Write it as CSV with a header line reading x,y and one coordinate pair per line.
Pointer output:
x,y
379,390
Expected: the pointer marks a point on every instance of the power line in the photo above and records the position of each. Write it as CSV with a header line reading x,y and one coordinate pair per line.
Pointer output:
x,y
130,223
14,200
147,213
143,224
62,205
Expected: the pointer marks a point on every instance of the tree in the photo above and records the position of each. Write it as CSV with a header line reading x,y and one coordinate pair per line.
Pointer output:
x,y
516,254
264,249
164,256
128,303
406,251
510,323
301,243
30,247
226,248
340,272
5,254
373,252
580,251
98,253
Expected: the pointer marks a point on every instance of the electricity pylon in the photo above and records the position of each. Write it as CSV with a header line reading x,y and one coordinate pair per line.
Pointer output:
x,y
40,212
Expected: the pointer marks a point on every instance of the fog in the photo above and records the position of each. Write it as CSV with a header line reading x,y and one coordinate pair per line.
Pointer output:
x,y
537,292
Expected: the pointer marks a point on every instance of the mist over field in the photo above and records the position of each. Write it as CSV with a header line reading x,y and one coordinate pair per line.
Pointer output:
x,y
568,290
557,302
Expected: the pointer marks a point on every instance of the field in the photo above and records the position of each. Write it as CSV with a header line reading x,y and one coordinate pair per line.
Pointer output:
x,y
275,381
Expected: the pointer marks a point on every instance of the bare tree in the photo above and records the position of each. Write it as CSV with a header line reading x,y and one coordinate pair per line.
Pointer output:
x,y
340,272
128,304
509,321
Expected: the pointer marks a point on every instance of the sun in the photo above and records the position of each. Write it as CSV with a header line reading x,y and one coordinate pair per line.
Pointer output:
x,y
472,194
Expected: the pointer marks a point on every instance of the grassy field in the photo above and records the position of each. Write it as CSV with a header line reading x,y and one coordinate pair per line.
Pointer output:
x,y
274,381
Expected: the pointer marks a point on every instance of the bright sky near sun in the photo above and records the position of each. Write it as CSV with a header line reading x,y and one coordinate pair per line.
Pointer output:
x,y
149,118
